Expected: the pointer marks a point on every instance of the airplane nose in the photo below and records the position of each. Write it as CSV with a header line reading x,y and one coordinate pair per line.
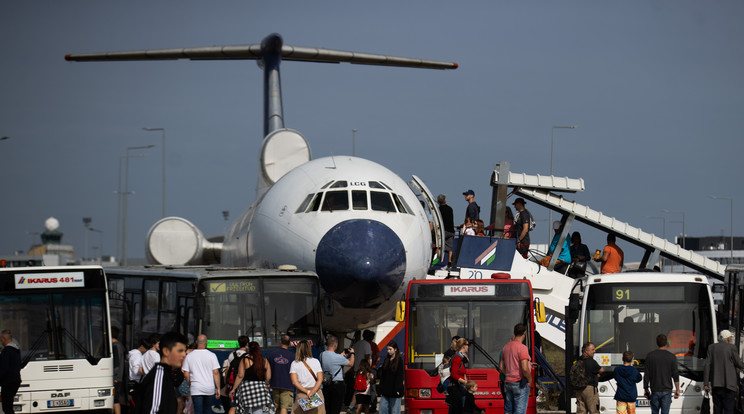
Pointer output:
x,y
360,262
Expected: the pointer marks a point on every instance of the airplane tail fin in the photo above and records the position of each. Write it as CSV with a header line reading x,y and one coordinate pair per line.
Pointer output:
x,y
269,54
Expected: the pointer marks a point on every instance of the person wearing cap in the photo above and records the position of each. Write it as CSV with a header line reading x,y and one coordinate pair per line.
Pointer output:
x,y
564,258
473,210
720,372
522,227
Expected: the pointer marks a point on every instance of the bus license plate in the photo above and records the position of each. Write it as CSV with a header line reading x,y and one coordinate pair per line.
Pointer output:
x,y
642,402
60,403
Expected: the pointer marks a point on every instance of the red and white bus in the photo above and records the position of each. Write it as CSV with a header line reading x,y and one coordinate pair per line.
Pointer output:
x,y
484,311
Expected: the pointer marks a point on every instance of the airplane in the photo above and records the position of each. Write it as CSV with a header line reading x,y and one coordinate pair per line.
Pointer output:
x,y
357,224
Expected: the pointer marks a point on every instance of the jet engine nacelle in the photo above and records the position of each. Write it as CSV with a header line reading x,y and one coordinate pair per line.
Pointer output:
x,y
176,241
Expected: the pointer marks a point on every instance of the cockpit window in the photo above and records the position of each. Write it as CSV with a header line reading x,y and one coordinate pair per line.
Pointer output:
x,y
326,185
316,202
359,200
381,201
336,200
399,204
375,184
408,208
386,186
305,202
339,184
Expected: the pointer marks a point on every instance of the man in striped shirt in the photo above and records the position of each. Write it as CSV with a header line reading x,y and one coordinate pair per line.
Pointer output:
x,y
158,390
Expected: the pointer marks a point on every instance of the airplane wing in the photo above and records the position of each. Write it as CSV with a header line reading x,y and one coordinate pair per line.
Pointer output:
x,y
253,52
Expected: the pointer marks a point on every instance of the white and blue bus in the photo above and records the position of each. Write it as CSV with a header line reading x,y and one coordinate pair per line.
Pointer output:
x,y
59,316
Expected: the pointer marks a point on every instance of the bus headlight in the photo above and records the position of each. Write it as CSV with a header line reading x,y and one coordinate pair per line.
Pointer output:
x,y
602,389
418,393
99,403
697,388
104,392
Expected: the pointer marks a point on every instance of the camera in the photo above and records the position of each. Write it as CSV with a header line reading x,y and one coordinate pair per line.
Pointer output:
x,y
348,352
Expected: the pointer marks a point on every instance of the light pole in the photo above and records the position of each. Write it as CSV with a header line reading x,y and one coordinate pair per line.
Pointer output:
x,y
353,142
552,140
126,204
163,131
732,222
86,223
100,243
119,193
684,235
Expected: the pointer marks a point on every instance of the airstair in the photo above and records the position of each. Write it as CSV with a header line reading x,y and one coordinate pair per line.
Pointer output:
x,y
479,257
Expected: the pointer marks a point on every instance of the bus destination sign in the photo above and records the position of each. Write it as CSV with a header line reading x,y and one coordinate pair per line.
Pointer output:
x,y
49,280
469,290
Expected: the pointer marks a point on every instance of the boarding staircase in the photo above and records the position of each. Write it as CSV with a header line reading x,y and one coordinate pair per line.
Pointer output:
x,y
551,287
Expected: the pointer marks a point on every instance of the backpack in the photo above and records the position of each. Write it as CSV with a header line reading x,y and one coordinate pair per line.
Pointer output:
x,y
232,370
577,375
360,383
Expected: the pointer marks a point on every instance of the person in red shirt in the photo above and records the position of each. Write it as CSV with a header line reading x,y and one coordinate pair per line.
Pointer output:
x,y
515,364
458,377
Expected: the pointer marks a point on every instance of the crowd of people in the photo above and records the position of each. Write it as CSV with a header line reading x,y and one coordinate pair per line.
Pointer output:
x,y
166,375
573,257
661,379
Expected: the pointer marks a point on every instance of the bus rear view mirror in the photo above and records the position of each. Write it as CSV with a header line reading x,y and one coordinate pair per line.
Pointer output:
x,y
540,311
400,311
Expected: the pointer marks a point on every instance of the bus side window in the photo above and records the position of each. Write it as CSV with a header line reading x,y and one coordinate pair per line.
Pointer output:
x,y
150,311
168,302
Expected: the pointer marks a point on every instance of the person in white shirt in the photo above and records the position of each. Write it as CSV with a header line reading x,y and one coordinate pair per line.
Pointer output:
x,y
135,361
202,372
152,356
307,377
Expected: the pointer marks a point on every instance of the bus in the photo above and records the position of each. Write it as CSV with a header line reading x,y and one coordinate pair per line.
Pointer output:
x,y
60,318
262,304
485,311
627,311
152,299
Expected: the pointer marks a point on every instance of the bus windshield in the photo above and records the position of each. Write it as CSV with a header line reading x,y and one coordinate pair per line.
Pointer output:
x,y
628,317
490,324
261,308
57,326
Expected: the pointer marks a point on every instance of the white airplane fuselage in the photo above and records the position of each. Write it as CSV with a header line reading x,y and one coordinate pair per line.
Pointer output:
x,y
354,222
364,254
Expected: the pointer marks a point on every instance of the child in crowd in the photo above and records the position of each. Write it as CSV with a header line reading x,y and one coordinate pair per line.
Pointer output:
x,y
469,406
467,228
444,372
626,376
363,397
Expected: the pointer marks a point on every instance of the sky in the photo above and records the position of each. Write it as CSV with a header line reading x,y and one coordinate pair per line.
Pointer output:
x,y
656,88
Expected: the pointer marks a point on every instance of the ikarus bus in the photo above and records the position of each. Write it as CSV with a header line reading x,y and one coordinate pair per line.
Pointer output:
x,y
59,317
627,311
